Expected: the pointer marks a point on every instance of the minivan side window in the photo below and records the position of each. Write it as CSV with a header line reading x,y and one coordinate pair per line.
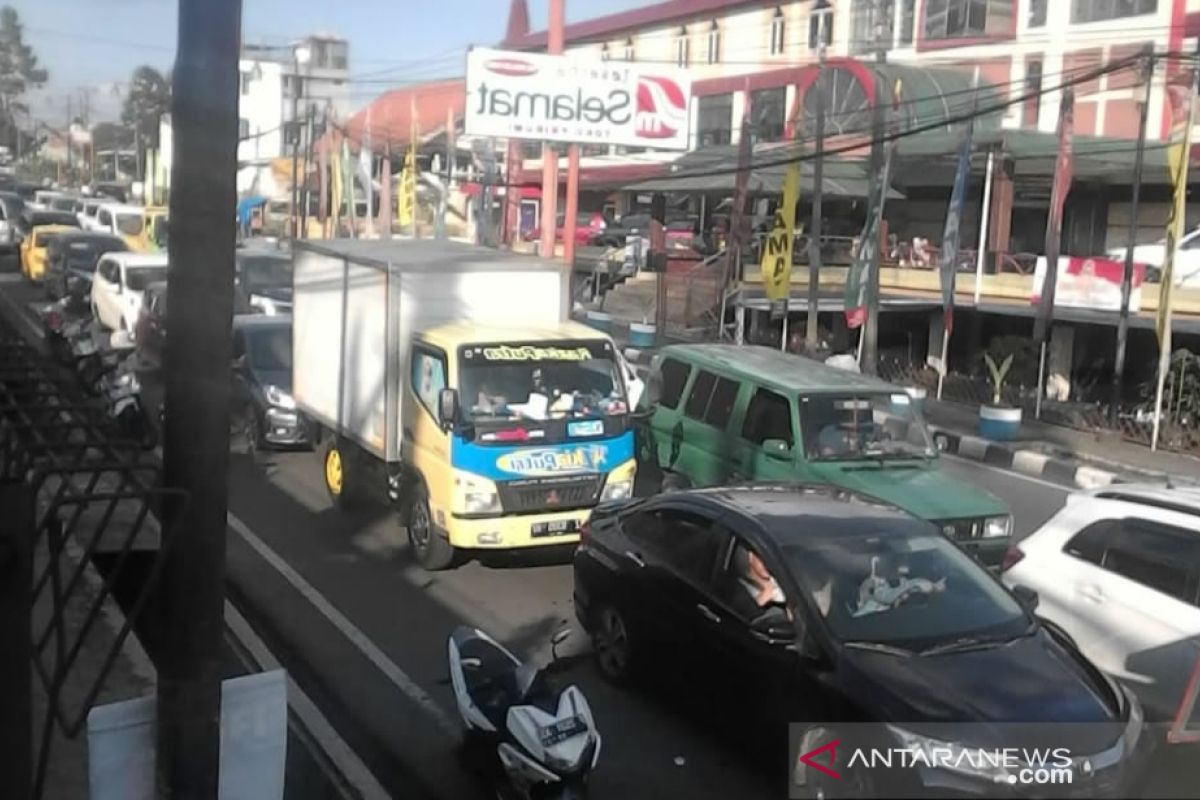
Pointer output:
x,y
105,218
769,416
697,402
1157,556
674,375
720,406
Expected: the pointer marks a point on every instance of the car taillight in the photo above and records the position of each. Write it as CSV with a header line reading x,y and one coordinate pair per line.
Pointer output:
x,y
1011,556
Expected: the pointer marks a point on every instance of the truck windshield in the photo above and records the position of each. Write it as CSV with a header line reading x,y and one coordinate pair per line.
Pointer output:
x,y
540,381
863,426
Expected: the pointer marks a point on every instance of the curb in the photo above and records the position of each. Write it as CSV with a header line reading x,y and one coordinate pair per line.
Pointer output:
x,y
1027,462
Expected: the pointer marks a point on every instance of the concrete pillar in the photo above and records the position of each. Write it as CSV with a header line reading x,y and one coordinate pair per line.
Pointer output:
x,y
738,111
1000,224
1060,357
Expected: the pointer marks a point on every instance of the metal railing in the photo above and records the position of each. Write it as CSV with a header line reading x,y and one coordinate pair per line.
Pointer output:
x,y
66,476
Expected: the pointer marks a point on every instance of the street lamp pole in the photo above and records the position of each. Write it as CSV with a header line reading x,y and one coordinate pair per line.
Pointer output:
x,y
299,56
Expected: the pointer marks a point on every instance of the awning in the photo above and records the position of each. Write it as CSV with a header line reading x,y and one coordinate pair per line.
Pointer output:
x,y
694,173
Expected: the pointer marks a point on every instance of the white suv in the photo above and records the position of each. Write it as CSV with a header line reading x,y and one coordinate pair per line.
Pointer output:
x,y
1118,569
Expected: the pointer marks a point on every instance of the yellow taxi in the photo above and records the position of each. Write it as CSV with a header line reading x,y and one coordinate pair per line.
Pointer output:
x,y
153,238
33,249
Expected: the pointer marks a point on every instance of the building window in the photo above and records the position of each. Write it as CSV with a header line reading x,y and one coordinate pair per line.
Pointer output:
x,y
1033,90
1100,10
246,78
768,110
870,25
1037,13
967,19
604,52
714,120
682,47
820,25
630,51
714,43
777,32
243,128
908,17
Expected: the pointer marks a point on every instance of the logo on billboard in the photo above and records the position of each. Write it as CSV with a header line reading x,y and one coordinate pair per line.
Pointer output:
x,y
662,108
550,461
511,67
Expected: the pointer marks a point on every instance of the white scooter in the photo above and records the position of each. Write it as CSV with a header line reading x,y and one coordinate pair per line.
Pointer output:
x,y
545,742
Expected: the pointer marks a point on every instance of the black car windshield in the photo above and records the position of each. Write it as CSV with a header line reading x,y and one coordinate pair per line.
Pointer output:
x,y
84,254
546,380
863,426
270,348
265,272
138,278
911,587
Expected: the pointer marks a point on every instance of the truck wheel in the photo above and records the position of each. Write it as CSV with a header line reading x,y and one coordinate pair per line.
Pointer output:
x,y
430,547
340,473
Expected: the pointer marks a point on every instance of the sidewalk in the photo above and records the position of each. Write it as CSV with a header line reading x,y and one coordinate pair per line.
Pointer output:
x,y
1063,455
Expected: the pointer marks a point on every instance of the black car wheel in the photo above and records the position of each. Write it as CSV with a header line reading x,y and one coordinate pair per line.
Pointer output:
x,y
613,645
430,547
252,435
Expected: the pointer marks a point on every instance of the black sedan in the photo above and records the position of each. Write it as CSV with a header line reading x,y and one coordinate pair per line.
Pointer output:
x,y
262,383
865,628
71,260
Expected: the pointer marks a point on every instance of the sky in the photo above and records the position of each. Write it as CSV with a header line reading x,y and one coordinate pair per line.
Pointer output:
x,y
92,46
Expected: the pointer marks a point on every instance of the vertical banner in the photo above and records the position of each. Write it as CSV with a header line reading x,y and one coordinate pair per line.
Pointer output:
x,y
777,249
950,237
1063,173
867,253
348,186
1180,98
385,191
323,187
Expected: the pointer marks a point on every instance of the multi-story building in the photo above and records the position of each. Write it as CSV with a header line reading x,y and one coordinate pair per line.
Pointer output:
x,y
277,82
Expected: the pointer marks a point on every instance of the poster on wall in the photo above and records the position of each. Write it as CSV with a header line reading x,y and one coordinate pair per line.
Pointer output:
x,y
1093,283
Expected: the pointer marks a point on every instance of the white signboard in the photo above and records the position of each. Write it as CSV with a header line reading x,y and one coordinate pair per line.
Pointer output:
x,y
1093,283
572,98
253,743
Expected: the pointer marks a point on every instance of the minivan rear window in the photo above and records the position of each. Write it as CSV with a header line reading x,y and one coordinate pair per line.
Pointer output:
x,y
674,377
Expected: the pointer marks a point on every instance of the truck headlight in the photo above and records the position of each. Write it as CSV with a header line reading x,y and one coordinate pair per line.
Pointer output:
x,y
476,495
617,490
997,527
279,398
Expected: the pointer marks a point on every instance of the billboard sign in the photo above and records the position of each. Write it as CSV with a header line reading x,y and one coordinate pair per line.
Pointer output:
x,y
1093,283
575,98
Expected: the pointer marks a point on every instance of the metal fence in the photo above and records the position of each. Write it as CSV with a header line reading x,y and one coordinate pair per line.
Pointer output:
x,y
70,486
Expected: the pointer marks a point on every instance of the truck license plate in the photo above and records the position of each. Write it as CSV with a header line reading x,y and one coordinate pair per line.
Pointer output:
x,y
556,527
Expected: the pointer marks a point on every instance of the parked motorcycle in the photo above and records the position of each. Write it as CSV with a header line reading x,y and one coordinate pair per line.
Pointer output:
x,y
537,742
62,320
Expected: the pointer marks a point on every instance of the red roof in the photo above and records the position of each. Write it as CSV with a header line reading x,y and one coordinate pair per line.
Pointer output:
x,y
390,114
601,27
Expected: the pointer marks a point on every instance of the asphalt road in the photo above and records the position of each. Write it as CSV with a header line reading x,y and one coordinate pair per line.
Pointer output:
x,y
364,632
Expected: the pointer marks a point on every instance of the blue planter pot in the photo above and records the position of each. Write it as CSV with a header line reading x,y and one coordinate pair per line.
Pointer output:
x,y
642,335
999,424
600,320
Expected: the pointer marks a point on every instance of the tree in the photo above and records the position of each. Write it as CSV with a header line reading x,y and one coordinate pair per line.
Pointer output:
x,y
148,99
19,72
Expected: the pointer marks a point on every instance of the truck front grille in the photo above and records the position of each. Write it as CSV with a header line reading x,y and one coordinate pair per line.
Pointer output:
x,y
549,494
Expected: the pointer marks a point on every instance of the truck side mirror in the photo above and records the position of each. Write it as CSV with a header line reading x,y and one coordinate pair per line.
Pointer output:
x,y
448,408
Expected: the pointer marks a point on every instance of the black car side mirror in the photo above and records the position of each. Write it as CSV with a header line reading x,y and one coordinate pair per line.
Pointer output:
x,y
773,627
1027,597
448,408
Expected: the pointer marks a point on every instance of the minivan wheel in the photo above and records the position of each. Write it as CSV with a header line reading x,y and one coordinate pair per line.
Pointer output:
x,y
613,644
430,547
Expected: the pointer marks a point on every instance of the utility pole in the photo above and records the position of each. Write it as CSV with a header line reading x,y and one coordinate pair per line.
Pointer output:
x,y
294,127
1131,242
549,152
306,199
814,237
196,376
870,333
70,144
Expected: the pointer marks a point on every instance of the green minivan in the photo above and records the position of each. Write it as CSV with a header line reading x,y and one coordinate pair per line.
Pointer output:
x,y
725,414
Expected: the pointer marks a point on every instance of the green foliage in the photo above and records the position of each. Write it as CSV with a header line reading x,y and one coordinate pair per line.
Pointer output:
x,y
19,72
999,373
148,99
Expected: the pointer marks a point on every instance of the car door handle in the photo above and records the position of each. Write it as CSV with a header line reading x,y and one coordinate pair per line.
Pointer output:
x,y
1090,591
711,615
635,558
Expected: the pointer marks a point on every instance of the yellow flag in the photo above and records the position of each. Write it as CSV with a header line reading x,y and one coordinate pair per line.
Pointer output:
x,y
777,249
1179,97
406,198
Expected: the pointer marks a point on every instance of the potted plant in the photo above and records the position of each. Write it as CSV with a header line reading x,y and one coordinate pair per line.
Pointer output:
x,y
643,334
998,420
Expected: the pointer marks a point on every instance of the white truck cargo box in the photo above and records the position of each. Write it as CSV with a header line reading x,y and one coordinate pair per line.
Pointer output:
x,y
358,302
